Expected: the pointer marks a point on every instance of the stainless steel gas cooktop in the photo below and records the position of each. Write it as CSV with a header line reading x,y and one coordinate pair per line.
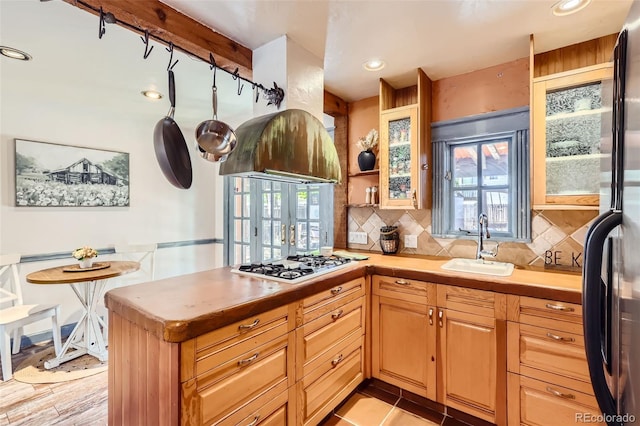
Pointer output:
x,y
294,269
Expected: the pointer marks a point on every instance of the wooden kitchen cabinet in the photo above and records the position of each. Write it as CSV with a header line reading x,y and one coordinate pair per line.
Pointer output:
x,y
548,373
567,115
405,145
472,352
404,334
229,374
330,353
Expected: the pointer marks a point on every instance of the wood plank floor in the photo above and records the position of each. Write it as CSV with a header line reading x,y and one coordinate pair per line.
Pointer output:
x,y
76,402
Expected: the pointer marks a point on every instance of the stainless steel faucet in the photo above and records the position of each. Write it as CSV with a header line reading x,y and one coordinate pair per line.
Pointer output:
x,y
483,223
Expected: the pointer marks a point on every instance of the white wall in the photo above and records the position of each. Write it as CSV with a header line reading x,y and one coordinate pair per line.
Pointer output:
x,y
35,106
158,212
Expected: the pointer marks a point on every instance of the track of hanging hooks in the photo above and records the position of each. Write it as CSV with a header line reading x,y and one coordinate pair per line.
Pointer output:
x,y
274,95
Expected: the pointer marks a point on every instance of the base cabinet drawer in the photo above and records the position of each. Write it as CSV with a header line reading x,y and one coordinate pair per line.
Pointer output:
x,y
320,335
270,408
210,398
553,351
536,403
333,376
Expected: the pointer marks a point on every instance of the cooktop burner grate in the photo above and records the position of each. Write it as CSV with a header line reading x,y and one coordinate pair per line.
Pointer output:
x,y
294,268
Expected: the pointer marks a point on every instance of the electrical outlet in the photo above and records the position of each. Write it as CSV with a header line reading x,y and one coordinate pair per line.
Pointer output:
x,y
358,237
411,241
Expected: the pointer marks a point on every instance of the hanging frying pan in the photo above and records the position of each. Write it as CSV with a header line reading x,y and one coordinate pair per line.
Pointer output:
x,y
170,146
215,139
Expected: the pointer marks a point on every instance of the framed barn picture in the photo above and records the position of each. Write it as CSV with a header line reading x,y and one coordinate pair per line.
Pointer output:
x,y
53,175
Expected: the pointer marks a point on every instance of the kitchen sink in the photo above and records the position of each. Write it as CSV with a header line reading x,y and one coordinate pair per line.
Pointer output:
x,y
477,266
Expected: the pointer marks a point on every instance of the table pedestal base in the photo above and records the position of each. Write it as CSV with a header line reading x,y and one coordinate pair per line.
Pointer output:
x,y
86,337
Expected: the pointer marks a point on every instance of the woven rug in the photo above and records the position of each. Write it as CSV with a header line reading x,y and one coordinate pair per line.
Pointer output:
x,y
32,370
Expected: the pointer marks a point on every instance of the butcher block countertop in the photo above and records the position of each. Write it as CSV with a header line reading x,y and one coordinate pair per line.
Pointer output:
x,y
183,307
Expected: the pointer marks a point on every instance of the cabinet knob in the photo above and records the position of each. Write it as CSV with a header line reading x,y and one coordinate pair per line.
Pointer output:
x,y
430,316
560,338
336,315
425,166
559,307
255,421
336,361
440,317
249,326
249,360
336,290
402,282
560,394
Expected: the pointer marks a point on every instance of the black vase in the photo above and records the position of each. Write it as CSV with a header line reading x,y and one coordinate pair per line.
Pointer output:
x,y
366,160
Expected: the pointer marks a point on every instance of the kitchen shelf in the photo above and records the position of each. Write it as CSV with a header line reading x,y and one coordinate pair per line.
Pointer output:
x,y
575,114
400,175
399,144
365,173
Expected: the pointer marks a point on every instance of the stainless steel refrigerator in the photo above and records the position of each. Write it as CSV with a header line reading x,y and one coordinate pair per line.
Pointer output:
x,y
611,270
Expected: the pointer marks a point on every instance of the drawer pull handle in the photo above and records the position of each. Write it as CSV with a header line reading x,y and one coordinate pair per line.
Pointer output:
x,y
337,315
255,421
402,282
560,394
249,360
336,361
560,338
559,307
336,290
249,326
430,316
440,315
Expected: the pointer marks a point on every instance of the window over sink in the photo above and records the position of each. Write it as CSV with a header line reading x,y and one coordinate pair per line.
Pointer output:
x,y
481,165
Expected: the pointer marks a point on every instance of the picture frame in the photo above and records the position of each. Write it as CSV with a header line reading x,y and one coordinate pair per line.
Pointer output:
x,y
56,175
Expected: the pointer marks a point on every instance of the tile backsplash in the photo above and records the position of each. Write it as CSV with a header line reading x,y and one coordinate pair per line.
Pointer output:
x,y
557,236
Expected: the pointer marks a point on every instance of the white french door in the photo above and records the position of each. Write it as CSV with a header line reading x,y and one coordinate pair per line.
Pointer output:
x,y
269,220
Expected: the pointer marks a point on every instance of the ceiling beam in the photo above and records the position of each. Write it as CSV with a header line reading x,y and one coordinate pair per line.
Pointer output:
x,y
334,106
169,25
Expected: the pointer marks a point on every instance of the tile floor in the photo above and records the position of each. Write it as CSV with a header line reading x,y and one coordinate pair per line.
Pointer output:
x,y
373,406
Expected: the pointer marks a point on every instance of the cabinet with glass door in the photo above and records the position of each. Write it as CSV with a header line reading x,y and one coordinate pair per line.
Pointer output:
x,y
568,114
405,124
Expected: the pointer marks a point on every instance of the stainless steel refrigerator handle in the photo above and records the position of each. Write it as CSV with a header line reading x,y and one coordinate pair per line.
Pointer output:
x,y
592,312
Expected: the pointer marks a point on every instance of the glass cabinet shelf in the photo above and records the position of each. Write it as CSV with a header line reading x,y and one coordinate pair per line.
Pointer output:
x,y
567,126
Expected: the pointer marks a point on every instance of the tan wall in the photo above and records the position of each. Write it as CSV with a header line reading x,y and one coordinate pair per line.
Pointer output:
x,y
496,88
363,116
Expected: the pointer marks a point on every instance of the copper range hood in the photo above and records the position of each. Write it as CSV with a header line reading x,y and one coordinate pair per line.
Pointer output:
x,y
291,146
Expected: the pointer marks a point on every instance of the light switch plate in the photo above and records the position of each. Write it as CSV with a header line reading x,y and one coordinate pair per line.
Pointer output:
x,y
358,237
411,241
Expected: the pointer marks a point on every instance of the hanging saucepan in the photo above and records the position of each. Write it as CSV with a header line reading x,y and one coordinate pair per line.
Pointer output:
x,y
171,149
215,139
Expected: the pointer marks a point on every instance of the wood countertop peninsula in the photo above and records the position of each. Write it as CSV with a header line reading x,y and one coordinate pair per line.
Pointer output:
x,y
183,307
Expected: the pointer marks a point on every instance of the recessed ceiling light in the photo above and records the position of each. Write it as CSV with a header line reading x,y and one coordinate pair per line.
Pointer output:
x,y
374,64
152,94
12,53
567,7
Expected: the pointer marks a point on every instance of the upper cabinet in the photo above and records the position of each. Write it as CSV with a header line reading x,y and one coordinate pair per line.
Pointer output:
x,y
405,145
567,119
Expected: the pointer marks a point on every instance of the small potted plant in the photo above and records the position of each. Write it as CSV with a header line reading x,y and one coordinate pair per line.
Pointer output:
x,y
85,256
367,158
